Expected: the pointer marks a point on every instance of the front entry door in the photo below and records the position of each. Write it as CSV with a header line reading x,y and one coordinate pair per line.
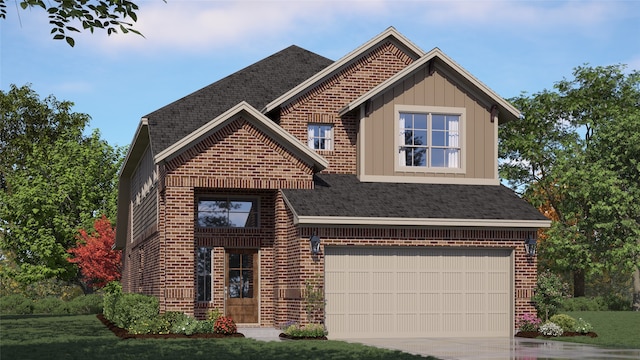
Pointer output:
x,y
241,285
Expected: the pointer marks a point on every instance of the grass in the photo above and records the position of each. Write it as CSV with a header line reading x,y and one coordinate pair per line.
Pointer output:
x,y
618,329
26,337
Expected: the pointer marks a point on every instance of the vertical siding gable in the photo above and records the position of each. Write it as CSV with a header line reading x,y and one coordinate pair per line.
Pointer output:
x,y
143,197
440,90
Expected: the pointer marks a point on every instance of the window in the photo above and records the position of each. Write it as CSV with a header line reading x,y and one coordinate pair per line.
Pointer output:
x,y
429,139
227,212
203,273
320,136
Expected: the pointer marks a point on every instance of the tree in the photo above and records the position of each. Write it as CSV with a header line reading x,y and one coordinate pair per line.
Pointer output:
x,y
58,182
98,262
109,15
576,153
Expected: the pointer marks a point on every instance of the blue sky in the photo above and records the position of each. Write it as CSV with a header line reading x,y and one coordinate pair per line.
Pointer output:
x,y
511,46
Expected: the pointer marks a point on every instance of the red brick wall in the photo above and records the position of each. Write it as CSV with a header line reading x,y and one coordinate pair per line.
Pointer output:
x,y
323,103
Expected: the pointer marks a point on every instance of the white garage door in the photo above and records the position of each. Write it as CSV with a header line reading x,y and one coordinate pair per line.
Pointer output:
x,y
417,292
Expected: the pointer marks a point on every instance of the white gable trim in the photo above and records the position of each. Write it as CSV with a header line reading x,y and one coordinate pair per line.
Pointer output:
x,y
502,103
379,221
260,120
389,32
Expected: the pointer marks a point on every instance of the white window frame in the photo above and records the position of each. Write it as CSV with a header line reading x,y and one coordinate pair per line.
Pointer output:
x,y
400,166
312,136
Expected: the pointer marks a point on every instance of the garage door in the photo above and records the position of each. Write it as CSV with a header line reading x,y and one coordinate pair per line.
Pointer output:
x,y
417,292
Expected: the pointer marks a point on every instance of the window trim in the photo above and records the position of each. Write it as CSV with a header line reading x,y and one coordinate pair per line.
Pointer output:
x,y
429,110
331,138
254,199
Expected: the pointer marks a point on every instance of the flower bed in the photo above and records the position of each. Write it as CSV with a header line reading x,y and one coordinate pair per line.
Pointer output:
x,y
535,334
124,334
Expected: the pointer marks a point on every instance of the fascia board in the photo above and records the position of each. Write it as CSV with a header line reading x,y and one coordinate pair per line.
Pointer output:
x,y
293,210
435,52
500,223
389,32
264,123
143,127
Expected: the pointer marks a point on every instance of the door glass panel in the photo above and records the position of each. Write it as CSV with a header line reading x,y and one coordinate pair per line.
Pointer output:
x,y
235,284
234,261
247,283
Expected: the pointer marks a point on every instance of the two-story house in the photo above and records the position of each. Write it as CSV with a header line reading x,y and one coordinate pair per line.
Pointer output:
x,y
387,157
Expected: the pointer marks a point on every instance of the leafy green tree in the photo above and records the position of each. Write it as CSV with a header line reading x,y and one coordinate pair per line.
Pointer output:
x,y
57,183
576,152
109,15
548,294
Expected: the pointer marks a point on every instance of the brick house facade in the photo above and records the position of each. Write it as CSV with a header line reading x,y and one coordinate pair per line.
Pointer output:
x,y
222,190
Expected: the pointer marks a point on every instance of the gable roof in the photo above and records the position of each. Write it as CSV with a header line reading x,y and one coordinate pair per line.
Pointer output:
x,y
257,119
389,33
257,84
506,111
344,200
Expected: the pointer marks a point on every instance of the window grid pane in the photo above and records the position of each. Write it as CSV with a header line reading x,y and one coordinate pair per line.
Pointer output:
x,y
203,274
443,151
320,136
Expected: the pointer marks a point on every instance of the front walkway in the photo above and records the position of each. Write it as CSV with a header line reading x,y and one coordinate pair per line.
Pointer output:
x,y
499,348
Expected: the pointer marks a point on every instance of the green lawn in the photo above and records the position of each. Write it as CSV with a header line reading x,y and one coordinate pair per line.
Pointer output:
x,y
619,329
84,337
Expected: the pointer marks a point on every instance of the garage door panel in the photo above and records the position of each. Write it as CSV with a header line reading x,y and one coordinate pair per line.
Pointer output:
x,y
400,292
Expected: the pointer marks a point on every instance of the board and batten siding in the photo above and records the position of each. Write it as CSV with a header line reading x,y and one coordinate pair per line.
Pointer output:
x,y
378,130
144,202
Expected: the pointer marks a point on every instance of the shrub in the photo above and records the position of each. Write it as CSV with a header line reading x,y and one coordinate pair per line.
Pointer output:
x,y
309,330
583,327
86,304
48,305
16,304
529,322
155,325
112,292
551,329
206,327
130,308
225,325
214,314
173,317
566,322
618,302
583,304
185,325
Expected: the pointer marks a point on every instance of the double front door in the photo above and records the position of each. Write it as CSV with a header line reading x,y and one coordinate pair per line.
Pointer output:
x,y
241,285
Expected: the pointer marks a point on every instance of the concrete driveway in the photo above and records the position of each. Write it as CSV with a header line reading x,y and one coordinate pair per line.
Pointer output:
x,y
498,348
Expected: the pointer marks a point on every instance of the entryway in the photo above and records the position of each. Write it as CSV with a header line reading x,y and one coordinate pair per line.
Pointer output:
x,y
241,285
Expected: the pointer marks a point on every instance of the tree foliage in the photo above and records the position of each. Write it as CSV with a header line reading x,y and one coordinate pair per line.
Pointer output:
x,y
575,154
98,262
65,16
55,180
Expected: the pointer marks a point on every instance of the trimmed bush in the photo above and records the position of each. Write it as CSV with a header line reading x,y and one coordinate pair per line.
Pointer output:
x,y
112,292
551,329
156,325
583,327
583,304
130,308
206,327
309,330
566,322
16,305
186,325
86,304
49,305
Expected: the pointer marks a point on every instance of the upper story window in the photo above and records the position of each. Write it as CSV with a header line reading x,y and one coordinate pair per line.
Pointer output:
x,y
430,138
320,136
228,212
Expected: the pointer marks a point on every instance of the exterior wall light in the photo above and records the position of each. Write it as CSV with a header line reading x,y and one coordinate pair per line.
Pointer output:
x,y
315,244
530,246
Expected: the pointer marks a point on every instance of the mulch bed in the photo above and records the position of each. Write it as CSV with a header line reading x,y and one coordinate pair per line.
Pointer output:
x,y
124,334
287,337
535,334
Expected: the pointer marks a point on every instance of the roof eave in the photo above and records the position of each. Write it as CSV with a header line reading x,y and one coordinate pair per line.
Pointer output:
x,y
503,105
286,139
432,222
389,32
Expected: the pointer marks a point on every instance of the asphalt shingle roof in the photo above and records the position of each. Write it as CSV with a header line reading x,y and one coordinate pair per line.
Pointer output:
x,y
345,196
257,84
